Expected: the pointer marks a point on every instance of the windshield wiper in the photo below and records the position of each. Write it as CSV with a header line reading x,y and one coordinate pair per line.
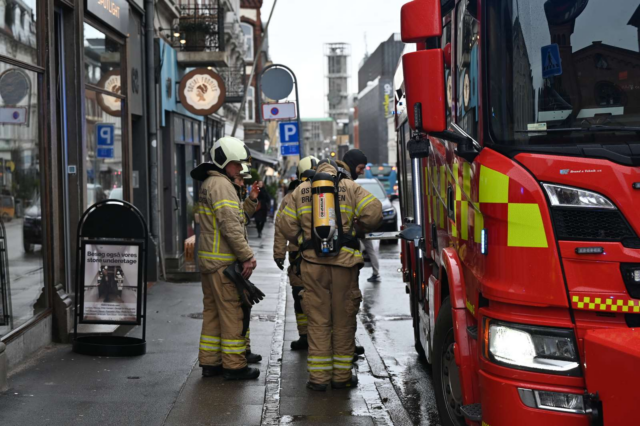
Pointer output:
x,y
597,128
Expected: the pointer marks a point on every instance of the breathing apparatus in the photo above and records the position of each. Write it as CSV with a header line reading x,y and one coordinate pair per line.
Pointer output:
x,y
327,234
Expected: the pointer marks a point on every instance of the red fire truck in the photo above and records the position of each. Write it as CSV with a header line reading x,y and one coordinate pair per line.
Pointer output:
x,y
518,160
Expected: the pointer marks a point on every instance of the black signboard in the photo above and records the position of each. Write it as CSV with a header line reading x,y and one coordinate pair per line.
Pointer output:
x,y
135,65
115,13
111,278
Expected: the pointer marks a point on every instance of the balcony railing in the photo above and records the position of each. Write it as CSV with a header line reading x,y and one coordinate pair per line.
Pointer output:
x,y
201,28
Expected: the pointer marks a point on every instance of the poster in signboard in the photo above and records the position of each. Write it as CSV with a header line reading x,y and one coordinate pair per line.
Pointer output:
x,y
111,292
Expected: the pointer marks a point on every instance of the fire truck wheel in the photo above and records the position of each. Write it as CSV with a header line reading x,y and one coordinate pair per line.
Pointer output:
x,y
446,376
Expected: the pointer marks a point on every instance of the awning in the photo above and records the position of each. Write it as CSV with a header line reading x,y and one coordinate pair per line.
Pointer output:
x,y
259,157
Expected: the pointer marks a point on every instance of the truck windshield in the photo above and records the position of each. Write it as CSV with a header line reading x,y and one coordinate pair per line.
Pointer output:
x,y
564,71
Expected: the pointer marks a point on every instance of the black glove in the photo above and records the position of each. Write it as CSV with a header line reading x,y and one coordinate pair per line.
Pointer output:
x,y
249,294
280,263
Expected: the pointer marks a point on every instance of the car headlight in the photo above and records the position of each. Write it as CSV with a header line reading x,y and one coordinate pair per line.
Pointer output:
x,y
566,196
389,212
529,347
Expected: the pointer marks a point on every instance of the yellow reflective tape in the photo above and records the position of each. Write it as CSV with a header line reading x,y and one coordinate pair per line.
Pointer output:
x,y
320,358
233,351
341,366
304,210
610,304
466,179
343,358
471,308
225,202
443,194
225,205
204,338
456,170
464,220
525,227
364,203
232,342
208,348
356,253
478,225
216,256
329,367
494,186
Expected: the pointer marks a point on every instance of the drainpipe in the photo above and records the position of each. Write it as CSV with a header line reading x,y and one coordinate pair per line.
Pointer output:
x,y
149,35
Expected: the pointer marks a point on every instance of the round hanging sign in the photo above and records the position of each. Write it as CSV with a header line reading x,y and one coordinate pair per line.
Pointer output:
x,y
14,86
110,104
202,91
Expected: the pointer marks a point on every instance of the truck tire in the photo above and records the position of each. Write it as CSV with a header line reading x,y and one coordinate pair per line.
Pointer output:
x,y
445,371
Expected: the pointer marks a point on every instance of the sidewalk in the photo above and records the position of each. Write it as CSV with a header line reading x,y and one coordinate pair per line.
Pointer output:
x,y
165,386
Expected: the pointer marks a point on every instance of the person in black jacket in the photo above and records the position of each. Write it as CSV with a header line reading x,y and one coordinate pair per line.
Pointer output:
x,y
264,203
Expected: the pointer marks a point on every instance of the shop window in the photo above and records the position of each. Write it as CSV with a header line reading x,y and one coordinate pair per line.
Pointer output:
x,y
467,70
248,41
19,30
22,289
101,60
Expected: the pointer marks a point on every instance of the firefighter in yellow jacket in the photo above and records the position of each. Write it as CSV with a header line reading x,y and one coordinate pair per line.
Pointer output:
x,y
222,242
320,217
306,170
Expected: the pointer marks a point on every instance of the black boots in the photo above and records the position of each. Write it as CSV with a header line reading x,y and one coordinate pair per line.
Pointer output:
x,y
317,387
211,370
344,385
253,358
247,373
301,344
359,350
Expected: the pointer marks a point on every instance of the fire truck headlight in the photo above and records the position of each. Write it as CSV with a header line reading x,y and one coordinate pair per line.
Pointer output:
x,y
567,196
554,401
533,348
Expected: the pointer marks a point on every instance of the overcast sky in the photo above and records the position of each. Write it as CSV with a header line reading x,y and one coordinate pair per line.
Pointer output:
x,y
300,28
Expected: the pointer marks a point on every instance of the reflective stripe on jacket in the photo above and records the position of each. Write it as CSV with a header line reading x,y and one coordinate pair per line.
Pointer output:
x,y
355,203
222,231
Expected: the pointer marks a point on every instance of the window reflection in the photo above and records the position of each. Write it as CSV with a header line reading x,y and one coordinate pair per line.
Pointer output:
x,y
20,202
18,37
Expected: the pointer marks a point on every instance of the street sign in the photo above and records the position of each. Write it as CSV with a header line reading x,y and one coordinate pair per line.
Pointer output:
x,y
289,133
283,111
104,153
551,62
288,149
105,134
13,115
277,83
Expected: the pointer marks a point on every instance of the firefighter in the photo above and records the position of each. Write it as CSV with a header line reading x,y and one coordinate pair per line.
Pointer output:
x,y
306,170
320,217
222,242
249,205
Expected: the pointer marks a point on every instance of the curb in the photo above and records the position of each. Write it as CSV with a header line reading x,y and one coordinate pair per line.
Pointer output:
x,y
4,384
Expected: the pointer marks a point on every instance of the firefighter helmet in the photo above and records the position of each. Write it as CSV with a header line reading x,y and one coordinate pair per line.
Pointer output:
x,y
228,149
307,167
245,173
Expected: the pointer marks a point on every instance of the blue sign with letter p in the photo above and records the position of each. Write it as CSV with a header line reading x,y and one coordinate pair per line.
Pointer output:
x,y
105,134
289,132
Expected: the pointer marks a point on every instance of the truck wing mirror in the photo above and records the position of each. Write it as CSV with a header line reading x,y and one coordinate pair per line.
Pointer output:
x,y
420,20
411,232
424,86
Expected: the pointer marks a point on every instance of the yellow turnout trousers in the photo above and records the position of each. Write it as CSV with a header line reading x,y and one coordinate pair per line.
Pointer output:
x,y
221,340
331,301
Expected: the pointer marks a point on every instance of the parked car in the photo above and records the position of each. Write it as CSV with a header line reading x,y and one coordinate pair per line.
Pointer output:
x,y
389,214
32,226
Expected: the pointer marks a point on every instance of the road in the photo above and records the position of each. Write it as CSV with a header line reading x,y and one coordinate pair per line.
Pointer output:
x,y
165,386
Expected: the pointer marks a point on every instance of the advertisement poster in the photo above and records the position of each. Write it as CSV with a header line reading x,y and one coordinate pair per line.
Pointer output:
x,y
111,274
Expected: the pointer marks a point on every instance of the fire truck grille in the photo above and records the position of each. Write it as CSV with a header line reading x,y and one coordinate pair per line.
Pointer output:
x,y
591,225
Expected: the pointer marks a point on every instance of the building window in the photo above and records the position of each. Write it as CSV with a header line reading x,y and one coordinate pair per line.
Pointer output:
x,y
248,41
249,113
18,37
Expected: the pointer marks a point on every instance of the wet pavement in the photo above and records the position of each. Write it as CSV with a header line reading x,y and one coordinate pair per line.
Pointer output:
x,y
165,386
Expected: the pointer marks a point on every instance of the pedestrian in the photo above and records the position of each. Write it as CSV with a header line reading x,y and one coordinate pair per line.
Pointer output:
x,y
264,202
356,161
222,242
306,170
249,205
331,296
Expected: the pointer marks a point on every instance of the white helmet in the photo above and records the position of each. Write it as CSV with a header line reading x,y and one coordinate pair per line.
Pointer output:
x,y
245,173
307,167
228,149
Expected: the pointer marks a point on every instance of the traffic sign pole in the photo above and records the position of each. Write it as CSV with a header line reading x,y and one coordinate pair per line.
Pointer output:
x,y
295,82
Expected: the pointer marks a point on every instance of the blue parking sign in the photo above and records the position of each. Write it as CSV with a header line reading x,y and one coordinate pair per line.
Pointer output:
x,y
287,149
105,134
551,62
289,132
104,153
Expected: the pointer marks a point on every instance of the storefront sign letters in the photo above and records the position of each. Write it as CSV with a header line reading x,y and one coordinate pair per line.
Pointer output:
x,y
202,92
113,12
